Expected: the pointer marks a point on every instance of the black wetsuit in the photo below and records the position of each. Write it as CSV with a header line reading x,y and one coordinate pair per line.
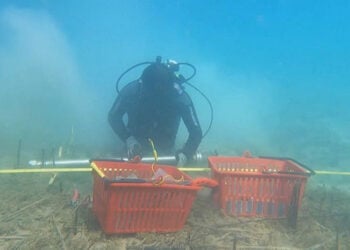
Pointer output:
x,y
156,117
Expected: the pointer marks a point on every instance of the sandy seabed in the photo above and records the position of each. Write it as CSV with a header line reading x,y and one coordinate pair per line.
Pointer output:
x,y
34,215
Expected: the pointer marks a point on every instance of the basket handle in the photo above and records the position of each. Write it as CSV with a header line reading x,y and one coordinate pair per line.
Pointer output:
x,y
204,182
312,172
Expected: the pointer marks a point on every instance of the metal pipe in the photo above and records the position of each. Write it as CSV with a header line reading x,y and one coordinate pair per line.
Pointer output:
x,y
170,160
84,162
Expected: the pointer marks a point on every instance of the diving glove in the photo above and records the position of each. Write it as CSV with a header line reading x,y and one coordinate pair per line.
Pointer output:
x,y
133,147
181,159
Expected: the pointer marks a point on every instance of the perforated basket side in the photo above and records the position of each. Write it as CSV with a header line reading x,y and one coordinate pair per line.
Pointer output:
x,y
141,207
254,187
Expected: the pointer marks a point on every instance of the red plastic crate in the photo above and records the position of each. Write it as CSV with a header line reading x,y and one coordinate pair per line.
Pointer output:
x,y
258,187
147,206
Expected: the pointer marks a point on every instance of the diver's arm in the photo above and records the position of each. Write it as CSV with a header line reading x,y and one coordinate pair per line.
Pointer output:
x,y
190,120
115,118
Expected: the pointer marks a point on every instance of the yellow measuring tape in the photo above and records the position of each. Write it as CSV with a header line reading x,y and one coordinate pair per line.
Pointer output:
x,y
43,170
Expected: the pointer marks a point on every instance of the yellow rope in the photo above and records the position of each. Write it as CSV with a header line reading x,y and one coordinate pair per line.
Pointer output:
x,y
155,154
162,178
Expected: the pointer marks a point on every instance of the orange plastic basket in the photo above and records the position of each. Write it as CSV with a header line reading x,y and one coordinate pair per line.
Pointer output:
x,y
258,187
128,199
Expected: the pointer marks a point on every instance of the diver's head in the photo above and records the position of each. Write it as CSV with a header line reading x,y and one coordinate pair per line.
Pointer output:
x,y
159,78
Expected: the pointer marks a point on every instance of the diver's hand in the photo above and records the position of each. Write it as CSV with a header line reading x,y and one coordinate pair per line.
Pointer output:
x,y
134,147
181,159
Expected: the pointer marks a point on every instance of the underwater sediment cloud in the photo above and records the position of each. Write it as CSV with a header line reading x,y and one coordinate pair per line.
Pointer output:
x,y
42,94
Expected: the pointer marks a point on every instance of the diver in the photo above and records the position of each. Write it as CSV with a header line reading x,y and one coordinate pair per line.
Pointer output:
x,y
154,106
